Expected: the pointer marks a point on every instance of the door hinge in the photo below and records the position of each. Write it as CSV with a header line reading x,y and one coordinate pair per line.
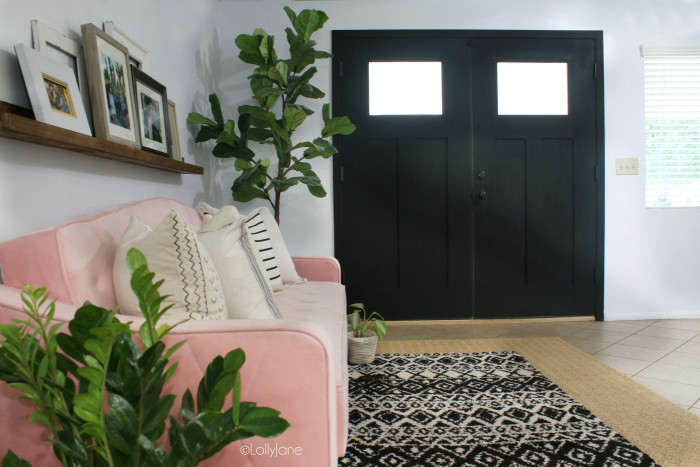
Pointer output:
x,y
342,173
596,173
595,275
595,70
341,69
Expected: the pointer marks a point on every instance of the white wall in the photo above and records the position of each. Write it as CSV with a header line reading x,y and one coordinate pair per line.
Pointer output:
x,y
652,256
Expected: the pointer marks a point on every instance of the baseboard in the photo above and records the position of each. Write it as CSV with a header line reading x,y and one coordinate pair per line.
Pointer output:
x,y
636,315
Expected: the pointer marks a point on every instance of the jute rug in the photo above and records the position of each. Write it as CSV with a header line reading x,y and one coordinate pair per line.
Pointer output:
x,y
515,402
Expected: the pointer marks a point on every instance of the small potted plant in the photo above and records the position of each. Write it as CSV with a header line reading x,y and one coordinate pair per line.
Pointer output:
x,y
362,340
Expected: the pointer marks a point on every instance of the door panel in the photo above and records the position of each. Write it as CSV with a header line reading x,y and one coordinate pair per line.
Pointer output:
x,y
405,201
469,214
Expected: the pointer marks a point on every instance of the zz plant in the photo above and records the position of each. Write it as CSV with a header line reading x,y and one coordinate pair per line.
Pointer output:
x,y
361,325
275,81
69,377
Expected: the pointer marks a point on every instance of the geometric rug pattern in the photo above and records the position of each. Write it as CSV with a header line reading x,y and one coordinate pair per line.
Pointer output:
x,y
491,409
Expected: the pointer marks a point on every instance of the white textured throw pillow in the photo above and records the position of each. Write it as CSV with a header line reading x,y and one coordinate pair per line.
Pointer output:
x,y
245,285
282,256
174,253
257,228
207,212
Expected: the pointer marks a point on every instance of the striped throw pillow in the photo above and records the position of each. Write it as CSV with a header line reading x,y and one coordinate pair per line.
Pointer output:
x,y
261,239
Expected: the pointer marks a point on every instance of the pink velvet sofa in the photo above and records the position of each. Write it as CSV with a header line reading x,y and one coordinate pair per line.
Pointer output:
x,y
297,365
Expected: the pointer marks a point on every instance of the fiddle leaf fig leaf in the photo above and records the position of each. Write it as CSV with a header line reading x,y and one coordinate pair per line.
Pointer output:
x,y
313,93
207,132
306,110
259,135
282,70
198,119
248,44
291,14
293,118
216,110
244,195
302,55
326,113
338,125
306,23
322,54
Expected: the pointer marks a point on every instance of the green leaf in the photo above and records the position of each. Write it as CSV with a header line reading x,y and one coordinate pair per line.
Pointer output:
x,y
317,191
259,134
380,328
306,23
326,113
218,395
234,360
322,54
187,401
11,460
314,93
70,445
248,44
123,413
306,110
354,322
198,119
320,148
291,14
245,195
135,259
339,125
293,118
158,413
252,58
206,133
264,92
281,132
302,55
226,151
264,426
258,113
216,109
283,70
169,353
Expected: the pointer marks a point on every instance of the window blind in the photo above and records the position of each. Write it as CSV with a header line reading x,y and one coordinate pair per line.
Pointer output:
x,y
672,113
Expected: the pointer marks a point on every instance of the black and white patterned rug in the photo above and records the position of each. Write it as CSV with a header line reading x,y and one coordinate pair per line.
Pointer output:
x,y
489,409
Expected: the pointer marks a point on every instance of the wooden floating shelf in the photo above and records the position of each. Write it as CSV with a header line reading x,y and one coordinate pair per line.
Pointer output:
x,y
18,123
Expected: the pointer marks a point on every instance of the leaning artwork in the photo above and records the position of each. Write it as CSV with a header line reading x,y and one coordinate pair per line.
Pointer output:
x,y
151,118
115,91
59,96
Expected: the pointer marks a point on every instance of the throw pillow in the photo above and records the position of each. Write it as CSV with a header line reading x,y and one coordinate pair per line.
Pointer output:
x,y
284,260
207,212
174,253
245,285
257,228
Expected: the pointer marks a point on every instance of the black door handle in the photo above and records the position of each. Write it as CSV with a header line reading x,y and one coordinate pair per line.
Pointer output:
x,y
482,194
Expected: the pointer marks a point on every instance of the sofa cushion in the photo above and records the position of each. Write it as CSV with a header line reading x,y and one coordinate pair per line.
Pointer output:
x,y
74,259
323,304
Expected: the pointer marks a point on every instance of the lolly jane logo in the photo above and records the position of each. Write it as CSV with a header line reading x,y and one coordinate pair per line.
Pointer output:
x,y
270,451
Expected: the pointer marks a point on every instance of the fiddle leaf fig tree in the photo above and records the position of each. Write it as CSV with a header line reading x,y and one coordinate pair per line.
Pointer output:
x,y
277,86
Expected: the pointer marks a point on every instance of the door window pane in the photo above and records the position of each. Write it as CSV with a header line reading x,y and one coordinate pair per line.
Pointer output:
x,y
532,88
405,88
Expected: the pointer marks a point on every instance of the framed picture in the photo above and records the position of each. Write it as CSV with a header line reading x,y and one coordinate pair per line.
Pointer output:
x,y
45,37
53,91
136,52
111,91
152,113
174,133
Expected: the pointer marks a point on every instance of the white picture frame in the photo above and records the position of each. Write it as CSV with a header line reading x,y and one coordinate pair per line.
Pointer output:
x,y
53,91
136,52
44,36
174,132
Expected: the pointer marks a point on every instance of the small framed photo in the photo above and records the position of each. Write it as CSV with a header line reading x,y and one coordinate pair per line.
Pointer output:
x,y
53,91
174,132
45,37
111,91
152,112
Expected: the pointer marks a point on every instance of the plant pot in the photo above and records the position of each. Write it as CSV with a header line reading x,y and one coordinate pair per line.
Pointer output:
x,y
361,350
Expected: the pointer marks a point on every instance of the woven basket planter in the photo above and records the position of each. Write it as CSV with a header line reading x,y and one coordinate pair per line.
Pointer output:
x,y
361,350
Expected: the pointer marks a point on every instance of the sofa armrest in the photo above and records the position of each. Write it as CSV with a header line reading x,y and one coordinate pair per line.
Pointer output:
x,y
317,268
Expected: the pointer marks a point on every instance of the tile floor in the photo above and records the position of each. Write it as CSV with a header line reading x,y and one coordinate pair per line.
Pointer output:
x,y
663,355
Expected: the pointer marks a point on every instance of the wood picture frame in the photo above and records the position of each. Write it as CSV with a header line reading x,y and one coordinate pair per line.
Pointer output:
x,y
45,37
111,90
151,107
53,91
174,132
136,51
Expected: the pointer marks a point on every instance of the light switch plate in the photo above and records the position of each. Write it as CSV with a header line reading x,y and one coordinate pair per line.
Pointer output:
x,y
627,166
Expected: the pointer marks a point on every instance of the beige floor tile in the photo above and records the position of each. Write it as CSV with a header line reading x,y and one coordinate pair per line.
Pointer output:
x,y
695,339
682,359
637,353
678,393
585,345
597,335
651,342
668,333
690,347
627,366
616,326
643,322
687,324
675,373
695,411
